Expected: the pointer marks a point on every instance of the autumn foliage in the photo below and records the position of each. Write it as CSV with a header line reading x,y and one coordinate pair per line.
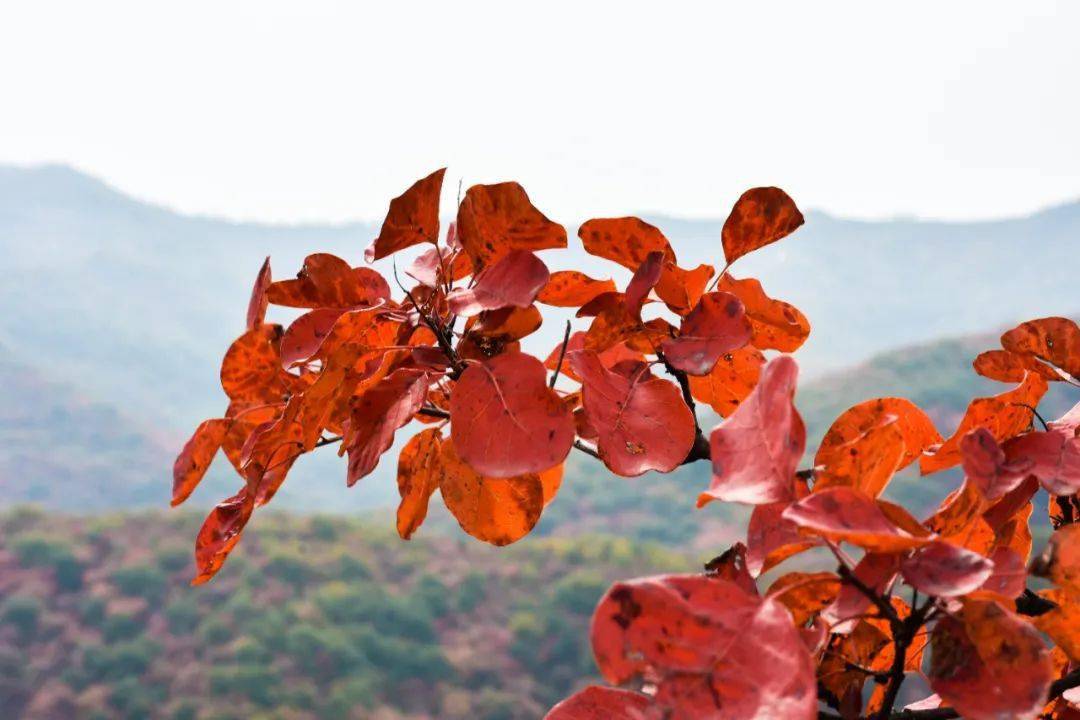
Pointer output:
x,y
945,596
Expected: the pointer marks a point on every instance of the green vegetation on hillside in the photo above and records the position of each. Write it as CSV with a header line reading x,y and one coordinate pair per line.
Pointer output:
x,y
316,617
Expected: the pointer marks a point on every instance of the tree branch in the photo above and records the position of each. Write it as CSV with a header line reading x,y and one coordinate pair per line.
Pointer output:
x,y
700,449
562,354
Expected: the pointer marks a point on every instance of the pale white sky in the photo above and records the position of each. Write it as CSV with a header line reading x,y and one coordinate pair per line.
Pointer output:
x,y
305,110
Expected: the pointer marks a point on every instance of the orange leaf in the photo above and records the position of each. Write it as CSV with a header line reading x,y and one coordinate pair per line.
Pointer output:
x,y
682,289
256,312
219,534
1062,623
194,460
499,511
376,415
251,369
570,288
1004,415
776,324
805,594
328,281
1008,366
492,220
1055,340
731,380
761,216
413,218
627,241
418,476
1060,561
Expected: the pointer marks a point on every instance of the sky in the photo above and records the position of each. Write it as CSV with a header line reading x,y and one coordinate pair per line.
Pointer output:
x,y
323,111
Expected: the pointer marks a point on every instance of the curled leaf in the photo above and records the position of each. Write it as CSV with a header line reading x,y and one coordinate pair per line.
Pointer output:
x,y
514,280
328,281
1055,340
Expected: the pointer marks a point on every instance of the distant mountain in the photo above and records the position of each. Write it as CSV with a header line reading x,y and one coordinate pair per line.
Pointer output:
x,y
133,305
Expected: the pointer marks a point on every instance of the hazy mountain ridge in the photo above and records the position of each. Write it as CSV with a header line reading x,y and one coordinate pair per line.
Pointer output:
x,y
133,305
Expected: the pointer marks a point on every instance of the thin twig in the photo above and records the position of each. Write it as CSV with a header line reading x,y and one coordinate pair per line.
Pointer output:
x,y
586,448
562,354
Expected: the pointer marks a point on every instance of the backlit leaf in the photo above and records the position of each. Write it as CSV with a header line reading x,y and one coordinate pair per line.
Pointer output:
x,y
989,664
627,241
413,218
641,421
1060,561
251,369
756,450
328,281
256,311
194,460
506,421
731,380
1006,366
492,220
570,288
1055,340
219,534
845,514
776,325
514,280
716,326
418,474
761,216
499,511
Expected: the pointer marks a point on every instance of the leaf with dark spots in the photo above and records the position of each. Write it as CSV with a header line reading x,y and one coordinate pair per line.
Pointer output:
x,y
506,421
418,474
626,241
716,326
376,415
513,281
681,289
492,220
775,324
988,664
251,369
756,450
641,422
570,288
1006,366
499,511
732,379
256,312
328,281
413,218
304,337
219,534
761,216
1055,340
194,460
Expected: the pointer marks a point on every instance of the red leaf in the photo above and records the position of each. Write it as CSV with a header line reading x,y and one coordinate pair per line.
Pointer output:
x,y
570,288
251,369
642,422
513,281
305,335
643,281
601,703
1053,457
875,571
419,470
194,460
328,281
945,570
499,511
256,312
985,464
776,324
761,216
718,325
492,220
439,265
627,241
505,420
413,218
1009,578
988,664
711,649
770,539
220,533
756,451
1004,415
845,514
376,415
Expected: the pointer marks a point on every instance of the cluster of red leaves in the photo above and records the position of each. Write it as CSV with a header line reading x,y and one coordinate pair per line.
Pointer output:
x,y
357,365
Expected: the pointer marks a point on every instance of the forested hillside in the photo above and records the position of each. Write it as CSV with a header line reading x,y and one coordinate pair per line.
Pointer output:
x,y
317,617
